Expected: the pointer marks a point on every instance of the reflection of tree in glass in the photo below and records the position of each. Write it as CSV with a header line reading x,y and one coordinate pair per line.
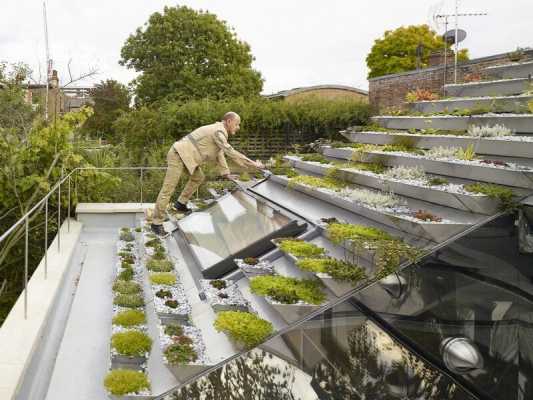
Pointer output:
x,y
380,369
258,376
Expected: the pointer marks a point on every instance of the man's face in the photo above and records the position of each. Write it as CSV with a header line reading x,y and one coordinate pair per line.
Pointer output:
x,y
233,125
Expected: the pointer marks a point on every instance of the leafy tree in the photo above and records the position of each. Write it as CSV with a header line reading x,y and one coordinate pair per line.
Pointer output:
x,y
396,51
110,98
185,54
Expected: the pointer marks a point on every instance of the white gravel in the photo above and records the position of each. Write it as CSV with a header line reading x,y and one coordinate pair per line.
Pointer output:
x,y
234,299
178,294
261,268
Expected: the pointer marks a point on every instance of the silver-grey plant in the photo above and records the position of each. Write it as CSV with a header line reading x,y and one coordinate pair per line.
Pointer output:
x,y
489,131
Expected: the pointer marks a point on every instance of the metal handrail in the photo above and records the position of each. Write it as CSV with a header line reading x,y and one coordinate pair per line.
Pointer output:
x,y
44,203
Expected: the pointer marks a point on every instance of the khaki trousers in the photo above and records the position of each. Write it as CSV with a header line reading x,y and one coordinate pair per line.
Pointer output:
x,y
172,177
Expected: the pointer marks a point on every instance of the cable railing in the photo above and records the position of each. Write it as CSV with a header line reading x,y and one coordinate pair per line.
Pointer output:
x,y
22,226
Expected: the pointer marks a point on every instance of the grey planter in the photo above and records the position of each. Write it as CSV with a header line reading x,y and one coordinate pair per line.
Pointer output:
x,y
522,179
475,204
120,361
131,397
505,87
517,123
185,371
167,318
249,271
510,104
496,147
292,312
514,70
438,232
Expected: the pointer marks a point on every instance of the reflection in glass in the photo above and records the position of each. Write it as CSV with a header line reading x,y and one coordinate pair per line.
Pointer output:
x,y
234,222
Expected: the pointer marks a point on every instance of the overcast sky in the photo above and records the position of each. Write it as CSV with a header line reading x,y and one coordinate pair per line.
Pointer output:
x,y
295,42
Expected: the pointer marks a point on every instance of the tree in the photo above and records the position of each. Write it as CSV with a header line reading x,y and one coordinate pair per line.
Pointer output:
x,y
110,98
397,51
185,54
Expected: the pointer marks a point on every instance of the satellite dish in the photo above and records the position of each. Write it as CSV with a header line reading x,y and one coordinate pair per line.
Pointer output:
x,y
450,36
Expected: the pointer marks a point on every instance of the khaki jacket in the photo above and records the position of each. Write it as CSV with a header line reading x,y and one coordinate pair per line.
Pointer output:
x,y
209,144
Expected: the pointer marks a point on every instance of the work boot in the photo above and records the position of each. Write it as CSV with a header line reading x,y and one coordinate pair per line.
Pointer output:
x,y
159,230
182,208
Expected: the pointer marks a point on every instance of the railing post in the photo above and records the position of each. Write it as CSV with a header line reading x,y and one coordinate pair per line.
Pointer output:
x,y
26,270
141,179
59,214
76,186
68,215
46,238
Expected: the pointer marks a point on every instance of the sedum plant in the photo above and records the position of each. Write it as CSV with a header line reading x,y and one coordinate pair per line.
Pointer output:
x,y
339,232
126,274
317,182
129,300
155,265
163,278
181,351
437,181
251,261
244,327
126,235
402,172
489,131
218,284
300,248
371,197
337,269
503,194
131,343
120,382
129,318
126,287
173,329
288,290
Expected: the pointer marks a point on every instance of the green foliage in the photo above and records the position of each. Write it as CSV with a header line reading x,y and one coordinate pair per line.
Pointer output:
x,y
243,327
530,106
287,171
129,318
172,303
503,194
162,293
131,343
218,284
337,269
376,168
155,242
127,236
396,51
244,176
467,154
300,248
181,351
437,181
251,260
317,182
173,330
340,232
129,300
126,274
281,288
316,157
111,98
163,278
185,54
126,287
120,382
159,265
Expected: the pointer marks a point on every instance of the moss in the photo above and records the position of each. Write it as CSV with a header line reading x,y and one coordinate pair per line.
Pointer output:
x,y
126,287
163,278
503,194
339,232
126,274
159,265
437,181
131,343
244,327
277,287
300,248
315,157
173,330
181,351
317,182
337,269
219,284
120,382
129,318
128,300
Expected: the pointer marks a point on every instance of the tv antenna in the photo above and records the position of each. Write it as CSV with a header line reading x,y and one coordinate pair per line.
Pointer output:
x,y
48,60
457,36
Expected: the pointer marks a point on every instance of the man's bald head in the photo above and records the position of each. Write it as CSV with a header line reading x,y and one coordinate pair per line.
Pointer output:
x,y
231,122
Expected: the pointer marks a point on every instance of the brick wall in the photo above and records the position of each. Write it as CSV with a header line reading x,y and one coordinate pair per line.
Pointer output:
x,y
390,90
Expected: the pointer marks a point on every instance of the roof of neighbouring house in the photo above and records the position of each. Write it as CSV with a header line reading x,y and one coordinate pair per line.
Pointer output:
x,y
285,93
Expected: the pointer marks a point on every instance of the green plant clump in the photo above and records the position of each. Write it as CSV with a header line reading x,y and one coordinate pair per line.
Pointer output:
x,y
181,351
128,300
163,278
127,236
173,330
129,318
300,248
138,229
155,242
316,157
503,194
126,287
437,181
287,171
126,274
337,269
120,382
244,327
171,303
251,260
219,284
339,232
131,343
163,294
281,288
159,265
314,181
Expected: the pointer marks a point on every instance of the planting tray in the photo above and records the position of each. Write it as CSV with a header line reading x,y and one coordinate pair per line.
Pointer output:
x,y
437,232
508,177
512,70
262,268
234,302
120,361
460,201
517,147
292,312
131,397
503,87
501,104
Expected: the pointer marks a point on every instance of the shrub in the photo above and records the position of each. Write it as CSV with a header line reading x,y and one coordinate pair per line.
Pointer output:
x,y
180,352
314,181
427,216
127,236
163,278
403,172
489,131
162,293
315,157
277,287
437,181
131,343
126,287
251,260
371,197
173,330
243,327
219,284
339,232
126,274
120,382
128,300
503,194
300,248
337,269
159,265
129,318
171,303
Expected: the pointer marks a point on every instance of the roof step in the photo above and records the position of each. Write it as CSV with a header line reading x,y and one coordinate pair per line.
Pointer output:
x,y
510,104
503,87
514,70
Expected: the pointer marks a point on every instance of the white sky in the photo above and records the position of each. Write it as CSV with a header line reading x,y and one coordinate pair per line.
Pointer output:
x,y
295,42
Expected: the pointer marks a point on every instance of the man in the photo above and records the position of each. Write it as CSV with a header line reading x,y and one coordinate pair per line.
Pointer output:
x,y
206,144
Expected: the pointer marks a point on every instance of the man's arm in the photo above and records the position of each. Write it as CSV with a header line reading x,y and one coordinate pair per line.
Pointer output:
x,y
228,150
